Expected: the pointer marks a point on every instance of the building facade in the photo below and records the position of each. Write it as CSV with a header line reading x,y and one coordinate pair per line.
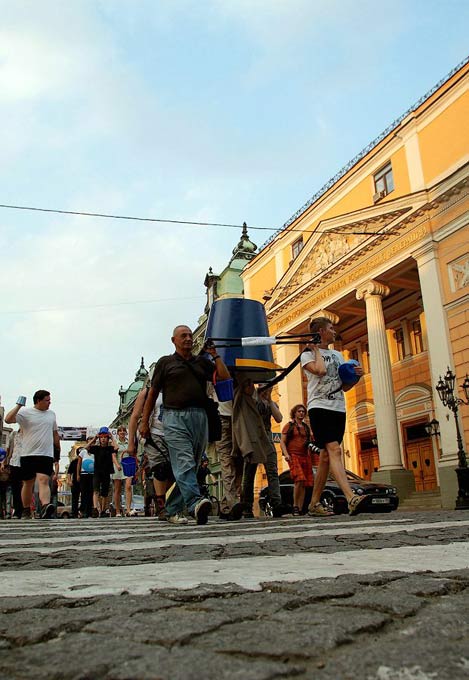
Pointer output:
x,y
128,396
383,251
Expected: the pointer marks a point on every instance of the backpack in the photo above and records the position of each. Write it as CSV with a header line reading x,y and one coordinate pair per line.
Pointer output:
x,y
290,432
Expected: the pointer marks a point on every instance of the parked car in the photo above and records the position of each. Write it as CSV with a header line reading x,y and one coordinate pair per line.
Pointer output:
x,y
381,497
63,511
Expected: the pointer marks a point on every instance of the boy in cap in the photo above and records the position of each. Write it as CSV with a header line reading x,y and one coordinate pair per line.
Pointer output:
x,y
102,447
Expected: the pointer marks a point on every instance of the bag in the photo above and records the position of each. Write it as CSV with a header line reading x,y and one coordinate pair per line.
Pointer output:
x,y
5,474
211,409
214,421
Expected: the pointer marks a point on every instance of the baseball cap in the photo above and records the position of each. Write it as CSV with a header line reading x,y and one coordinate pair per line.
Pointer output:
x,y
104,430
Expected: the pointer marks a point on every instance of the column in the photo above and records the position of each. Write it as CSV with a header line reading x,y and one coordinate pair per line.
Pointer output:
x,y
440,357
383,390
381,376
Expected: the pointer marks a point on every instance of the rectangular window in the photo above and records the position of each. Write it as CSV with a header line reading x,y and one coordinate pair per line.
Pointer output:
x,y
297,247
400,346
384,182
354,354
417,340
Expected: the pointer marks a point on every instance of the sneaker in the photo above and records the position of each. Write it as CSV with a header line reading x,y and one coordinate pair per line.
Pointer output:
x,y
104,513
177,519
296,511
319,510
162,515
26,514
202,511
234,514
48,511
356,504
280,510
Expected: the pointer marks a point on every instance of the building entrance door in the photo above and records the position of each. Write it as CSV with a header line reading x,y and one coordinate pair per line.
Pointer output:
x,y
368,456
419,456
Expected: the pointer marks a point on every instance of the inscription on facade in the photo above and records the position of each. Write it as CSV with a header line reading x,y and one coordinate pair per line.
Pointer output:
x,y
344,282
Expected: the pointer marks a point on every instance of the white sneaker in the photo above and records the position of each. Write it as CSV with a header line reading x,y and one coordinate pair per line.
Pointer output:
x,y
177,519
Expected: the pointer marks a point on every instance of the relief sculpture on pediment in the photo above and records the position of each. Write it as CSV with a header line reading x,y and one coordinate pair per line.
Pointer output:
x,y
326,251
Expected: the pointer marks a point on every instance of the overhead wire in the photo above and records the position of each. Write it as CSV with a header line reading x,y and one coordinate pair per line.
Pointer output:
x,y
82,213
97,306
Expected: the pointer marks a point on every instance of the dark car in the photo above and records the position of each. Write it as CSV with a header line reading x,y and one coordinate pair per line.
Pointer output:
x,y
381,497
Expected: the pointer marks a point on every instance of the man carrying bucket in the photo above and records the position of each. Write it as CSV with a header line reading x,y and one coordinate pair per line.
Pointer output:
x,y
326,411
183,377
103,466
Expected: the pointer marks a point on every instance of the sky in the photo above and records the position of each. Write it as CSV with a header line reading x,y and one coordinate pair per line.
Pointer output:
x,y
206,110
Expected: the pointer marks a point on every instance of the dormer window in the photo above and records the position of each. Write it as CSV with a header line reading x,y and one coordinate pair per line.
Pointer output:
x,y
297,247
384,182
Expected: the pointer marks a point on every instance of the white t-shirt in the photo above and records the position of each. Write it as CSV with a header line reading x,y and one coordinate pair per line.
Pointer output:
x,y
38,428
156,421
15,442
325,391
87,462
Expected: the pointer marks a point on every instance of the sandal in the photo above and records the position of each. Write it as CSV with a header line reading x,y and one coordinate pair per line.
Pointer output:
x,y
355,503
318,510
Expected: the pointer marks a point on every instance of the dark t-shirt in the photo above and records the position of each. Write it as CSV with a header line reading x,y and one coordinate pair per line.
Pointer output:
x,y
102,459
181,388
72,471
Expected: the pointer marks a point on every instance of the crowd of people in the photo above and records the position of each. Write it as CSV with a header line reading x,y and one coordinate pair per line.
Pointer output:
x,y
173,422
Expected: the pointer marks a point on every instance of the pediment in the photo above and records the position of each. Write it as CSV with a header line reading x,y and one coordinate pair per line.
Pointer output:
x,y
322,253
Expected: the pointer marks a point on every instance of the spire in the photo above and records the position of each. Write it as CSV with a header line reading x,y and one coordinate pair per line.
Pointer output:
x,y
246,249
142,372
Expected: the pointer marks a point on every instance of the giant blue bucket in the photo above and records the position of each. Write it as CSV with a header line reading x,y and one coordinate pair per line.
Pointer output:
x,y
129,466
241,318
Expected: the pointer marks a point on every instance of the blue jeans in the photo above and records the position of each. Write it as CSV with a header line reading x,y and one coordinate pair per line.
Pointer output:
x,y
186,434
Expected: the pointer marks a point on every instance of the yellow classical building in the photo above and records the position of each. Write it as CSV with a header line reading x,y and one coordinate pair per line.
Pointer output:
x,y
383,250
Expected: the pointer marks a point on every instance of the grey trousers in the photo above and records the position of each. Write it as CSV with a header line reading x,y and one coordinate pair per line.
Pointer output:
x,y
231,468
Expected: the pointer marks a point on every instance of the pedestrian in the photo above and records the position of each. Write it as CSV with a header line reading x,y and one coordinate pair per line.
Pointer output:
x,y
13,460
119,475
296,437
85,474
182,378
155,453
4,483
326,411
203,474
40,445
74,484
231,466
249,438
102,446
269,409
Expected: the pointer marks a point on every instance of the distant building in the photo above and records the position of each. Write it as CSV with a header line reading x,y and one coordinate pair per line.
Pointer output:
x,y
128,396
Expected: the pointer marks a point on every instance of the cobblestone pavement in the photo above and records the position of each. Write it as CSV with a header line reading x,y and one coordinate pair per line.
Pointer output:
x,y
375,597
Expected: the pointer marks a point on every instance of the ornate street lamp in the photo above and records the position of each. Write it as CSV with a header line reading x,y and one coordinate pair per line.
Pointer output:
x,y
432,428
445,388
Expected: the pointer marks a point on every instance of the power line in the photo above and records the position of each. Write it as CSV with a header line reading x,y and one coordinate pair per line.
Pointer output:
x,y
98,306
82,213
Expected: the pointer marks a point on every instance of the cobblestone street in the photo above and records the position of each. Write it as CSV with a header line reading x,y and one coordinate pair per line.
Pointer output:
x,y
377,597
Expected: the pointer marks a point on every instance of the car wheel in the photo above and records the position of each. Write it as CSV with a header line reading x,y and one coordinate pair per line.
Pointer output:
x,y
65,515
328,501
268,511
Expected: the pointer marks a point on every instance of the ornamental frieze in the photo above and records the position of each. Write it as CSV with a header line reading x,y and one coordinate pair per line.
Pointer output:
x,y
279,320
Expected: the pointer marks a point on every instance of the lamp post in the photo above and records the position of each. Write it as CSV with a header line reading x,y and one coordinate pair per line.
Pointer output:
x,y
445,389
432,428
